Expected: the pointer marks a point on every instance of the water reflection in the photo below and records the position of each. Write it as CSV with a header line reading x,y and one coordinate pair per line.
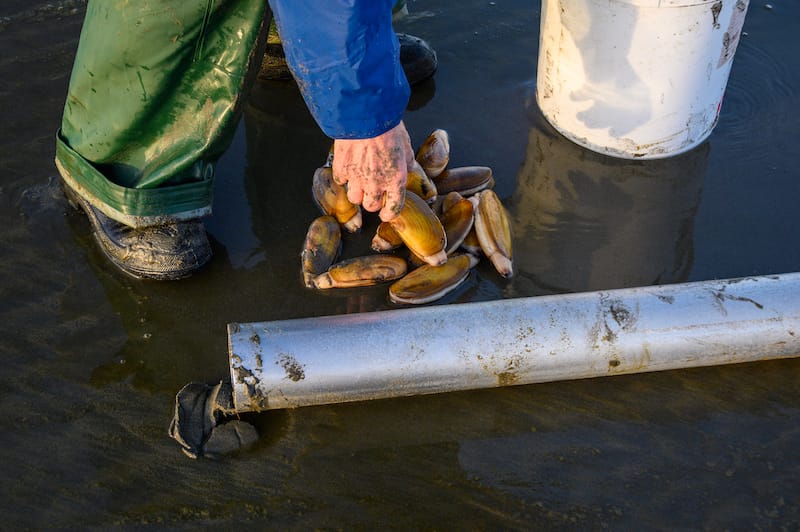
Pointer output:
x,y
262,209
584,221
284,148
421,94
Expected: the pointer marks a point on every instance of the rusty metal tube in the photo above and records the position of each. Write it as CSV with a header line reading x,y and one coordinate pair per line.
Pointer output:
x,y
393,353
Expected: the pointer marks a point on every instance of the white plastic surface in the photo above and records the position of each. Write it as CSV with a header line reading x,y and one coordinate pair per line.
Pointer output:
x,y
636,78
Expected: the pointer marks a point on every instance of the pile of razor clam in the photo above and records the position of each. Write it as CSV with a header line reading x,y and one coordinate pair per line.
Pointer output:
x,y
450,219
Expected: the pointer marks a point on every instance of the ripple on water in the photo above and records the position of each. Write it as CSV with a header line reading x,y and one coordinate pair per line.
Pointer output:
x,y
756,94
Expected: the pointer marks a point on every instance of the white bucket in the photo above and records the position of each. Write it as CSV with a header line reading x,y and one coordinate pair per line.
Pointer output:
x,y
636,78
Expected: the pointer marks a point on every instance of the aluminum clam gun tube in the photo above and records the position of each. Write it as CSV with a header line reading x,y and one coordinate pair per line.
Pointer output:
x,y
403,352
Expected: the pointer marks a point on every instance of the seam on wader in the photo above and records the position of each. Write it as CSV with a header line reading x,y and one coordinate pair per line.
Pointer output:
x,y
198,49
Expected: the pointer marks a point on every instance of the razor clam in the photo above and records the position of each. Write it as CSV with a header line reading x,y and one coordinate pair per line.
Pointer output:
x,y
429,283
494,232
420,184
321,247
386,238
331,198
466,180
434,153
471,244
436,205
450,199
457,219
362,271
421,230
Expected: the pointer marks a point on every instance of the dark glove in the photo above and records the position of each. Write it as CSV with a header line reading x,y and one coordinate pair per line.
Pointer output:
x,y
200,422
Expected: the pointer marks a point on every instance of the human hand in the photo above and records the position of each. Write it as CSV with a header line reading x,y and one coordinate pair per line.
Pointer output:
x,y
375,170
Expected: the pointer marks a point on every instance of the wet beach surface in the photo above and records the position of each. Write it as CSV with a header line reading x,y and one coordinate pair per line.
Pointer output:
x,y
93,359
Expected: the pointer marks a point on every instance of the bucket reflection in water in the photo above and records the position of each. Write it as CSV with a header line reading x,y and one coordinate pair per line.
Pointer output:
x,y
584,221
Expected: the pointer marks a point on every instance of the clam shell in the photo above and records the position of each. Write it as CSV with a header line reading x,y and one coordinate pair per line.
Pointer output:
x,y
415,260
420,184
494,232
471,244
429,283
421,230
457,219
436,205
450,199
331,198
386,238
466,180
321,247
362,271
434,153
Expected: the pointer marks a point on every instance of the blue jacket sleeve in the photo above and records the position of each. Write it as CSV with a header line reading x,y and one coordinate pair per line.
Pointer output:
x,y
344,55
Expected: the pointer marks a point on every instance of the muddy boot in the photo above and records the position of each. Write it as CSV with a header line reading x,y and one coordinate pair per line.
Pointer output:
x,y
170,251
416,56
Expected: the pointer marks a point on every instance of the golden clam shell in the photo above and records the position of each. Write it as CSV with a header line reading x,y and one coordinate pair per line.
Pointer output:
x,y
434,153
420,184
362,271
466,180
386,238
331,198
421,230
493,230
429,283
415,260
320,248
457,219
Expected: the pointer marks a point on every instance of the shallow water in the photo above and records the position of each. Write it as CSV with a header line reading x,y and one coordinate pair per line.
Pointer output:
x,y
93,359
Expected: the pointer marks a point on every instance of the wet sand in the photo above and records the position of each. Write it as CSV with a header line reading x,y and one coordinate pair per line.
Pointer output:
x,y
92,359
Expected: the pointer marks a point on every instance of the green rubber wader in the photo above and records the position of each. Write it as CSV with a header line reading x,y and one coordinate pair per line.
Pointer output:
x,y
154,98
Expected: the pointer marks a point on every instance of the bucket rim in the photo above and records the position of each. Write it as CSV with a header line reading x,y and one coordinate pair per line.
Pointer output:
x,y
669,3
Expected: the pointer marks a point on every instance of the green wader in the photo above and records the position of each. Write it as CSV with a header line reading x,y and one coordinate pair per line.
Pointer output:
x,y
154,99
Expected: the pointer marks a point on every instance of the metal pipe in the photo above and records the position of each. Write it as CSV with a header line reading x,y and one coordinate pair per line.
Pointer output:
x,y
393,353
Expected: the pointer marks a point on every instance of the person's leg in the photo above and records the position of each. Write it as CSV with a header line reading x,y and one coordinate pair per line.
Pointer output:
x,y
153,101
